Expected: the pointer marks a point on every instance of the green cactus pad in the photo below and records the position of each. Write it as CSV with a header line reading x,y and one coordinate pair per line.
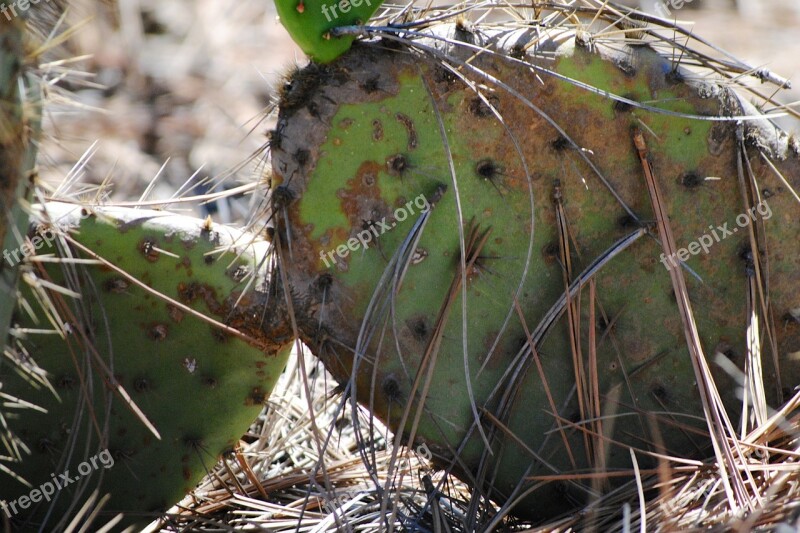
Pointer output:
x,y
504,166
199,385
20,126
309,22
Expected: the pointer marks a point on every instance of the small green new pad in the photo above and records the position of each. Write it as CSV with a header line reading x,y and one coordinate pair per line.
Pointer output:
x,y
310,22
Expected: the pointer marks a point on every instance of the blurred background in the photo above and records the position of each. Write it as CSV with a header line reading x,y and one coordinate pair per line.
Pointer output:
x,y
163,91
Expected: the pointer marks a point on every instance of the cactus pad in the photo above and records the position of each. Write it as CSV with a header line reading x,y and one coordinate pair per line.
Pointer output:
x,y
199,384
309,22
440,204
20,125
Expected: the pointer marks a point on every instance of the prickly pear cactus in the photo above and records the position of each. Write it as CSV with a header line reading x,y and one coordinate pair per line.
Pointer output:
x,y
470,229
158,359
